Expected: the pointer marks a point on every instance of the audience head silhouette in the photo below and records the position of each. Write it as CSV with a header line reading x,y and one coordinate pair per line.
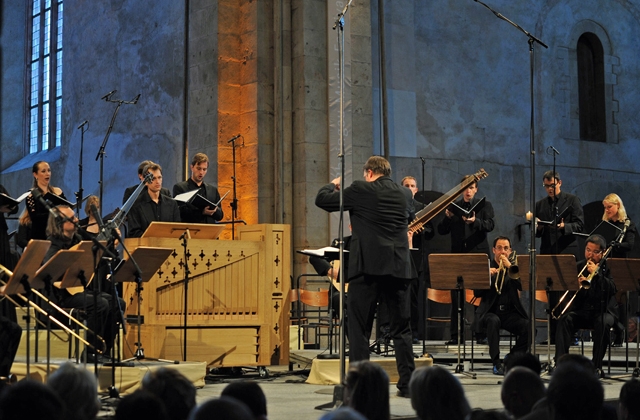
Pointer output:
x,y
437,395
367,390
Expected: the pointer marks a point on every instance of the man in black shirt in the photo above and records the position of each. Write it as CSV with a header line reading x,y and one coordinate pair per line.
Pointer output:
x,y
152,205
593,307
188,212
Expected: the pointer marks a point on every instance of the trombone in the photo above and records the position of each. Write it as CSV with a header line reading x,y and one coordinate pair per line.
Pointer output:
x,y
513,271
52,318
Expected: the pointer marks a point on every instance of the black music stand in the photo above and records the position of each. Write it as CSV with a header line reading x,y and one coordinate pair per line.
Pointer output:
x,y
624,272
51,270
558,274
457,272
28,264
150,261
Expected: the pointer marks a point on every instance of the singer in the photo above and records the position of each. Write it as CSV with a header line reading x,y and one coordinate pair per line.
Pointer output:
x,y
37,211
151,205
190,213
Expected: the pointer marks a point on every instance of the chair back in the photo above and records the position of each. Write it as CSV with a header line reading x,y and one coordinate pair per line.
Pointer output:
x,y
318,298
440,296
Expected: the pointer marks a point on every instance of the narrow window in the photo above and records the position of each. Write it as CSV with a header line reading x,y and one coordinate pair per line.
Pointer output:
x,y
591,88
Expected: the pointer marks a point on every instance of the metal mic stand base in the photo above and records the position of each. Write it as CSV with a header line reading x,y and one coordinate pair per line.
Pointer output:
x,y
338,392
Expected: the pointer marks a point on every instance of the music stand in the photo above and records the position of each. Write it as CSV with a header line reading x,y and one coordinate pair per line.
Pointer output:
x,y
28,264
457,272
624,272
175,230
559,274
150,261
51,270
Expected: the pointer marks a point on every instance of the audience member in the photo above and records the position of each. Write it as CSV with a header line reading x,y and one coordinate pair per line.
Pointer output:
x,y
628,406
367,390
141,405
437,395
480,414
574,393
521,389
78,390
343,413
30,400
226,408
249,393
174,389
527,360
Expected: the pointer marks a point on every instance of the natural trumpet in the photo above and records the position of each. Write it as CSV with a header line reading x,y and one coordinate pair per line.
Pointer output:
x,y
513,271
52,318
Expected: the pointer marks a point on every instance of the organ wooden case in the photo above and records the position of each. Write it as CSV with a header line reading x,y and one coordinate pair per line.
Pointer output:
x,y
237,299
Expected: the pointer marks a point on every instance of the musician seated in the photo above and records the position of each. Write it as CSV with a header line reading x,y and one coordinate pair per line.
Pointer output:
x,y
500,306
61,231
594,305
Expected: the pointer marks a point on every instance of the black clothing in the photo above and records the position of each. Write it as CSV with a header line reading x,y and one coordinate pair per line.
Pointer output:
x,y
504,311
130,190
418,287
592,308
379,264
39,216
145,211
96,314
620,250
466,238
192,214
7,258
573,223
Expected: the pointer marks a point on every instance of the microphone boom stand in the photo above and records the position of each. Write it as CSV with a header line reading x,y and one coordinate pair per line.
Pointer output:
x,y
338,390
532,246
101,152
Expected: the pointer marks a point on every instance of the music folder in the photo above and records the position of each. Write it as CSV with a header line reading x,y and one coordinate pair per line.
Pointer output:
x,y
11,202
56,200
197,200
561,216
328,252
460,212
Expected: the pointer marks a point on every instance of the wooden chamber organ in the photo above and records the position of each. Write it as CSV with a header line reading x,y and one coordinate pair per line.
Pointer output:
x,y
237,299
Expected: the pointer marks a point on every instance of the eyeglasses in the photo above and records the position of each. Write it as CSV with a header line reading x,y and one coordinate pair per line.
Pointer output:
x,y
591,251
547,186
503,248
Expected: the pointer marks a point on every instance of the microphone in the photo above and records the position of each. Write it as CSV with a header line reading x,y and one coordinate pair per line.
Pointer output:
x,y
109,94
83,124
554,150
233,138
135,101
37,195
186,234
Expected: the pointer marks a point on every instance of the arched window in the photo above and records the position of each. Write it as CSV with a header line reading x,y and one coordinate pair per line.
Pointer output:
x,y
45,75
591,88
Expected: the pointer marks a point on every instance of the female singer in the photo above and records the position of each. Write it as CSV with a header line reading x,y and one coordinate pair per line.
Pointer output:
x,y
38,213
615,213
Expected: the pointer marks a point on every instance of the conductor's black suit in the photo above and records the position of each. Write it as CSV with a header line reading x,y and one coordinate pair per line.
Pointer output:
x,y
380,265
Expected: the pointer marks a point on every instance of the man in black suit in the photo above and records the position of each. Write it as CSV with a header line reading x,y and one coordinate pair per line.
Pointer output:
x,y
418,243
559,239
152,206
141,174
468,235
380,267
188,212
500,306
593,307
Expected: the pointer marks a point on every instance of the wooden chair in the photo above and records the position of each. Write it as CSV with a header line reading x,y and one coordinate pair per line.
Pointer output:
x,y
313,310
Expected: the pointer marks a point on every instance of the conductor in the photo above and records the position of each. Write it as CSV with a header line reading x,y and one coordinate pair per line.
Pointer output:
x,y
380,267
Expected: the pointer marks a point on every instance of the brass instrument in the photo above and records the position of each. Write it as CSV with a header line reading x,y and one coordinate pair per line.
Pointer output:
x,y
52,318
432,210
513,271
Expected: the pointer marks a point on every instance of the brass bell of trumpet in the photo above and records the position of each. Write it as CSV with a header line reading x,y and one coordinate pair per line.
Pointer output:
x,y
513,271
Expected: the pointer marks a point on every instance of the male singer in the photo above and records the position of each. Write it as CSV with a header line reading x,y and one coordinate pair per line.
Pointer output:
x,y
380,267
188,212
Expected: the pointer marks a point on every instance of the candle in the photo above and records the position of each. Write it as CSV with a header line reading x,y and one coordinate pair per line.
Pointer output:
x,y
529,216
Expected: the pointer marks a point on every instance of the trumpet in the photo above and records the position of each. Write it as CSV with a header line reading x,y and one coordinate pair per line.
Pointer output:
x,y
52,318
584,284
513,271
